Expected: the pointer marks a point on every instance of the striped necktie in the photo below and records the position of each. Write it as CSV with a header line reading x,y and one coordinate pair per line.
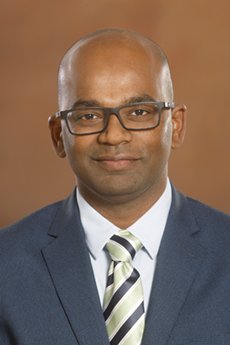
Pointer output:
x,y
123,301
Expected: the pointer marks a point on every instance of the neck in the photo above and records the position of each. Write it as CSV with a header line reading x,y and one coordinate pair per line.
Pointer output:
x,y
123,212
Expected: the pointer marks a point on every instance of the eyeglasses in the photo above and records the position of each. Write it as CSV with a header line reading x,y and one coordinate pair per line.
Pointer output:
x,y
134,117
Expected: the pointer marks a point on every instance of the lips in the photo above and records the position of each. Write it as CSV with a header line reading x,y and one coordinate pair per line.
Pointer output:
x,y
116,162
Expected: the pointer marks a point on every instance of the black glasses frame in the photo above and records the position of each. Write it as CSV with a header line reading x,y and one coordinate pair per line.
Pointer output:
x,y
115,111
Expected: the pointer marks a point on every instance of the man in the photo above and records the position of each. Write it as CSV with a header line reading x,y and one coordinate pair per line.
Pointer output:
x,y
117,125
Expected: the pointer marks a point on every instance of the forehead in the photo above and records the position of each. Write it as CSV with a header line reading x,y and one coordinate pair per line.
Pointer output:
x,y
111,67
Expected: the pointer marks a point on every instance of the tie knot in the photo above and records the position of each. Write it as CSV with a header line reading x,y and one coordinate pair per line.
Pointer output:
x,y
123,246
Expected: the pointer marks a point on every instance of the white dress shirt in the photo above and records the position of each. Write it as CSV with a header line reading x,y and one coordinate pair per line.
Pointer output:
x,y
149,229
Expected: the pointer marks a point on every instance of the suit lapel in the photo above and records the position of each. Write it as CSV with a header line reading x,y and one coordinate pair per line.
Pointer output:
x,y
178,262
69,265
68,262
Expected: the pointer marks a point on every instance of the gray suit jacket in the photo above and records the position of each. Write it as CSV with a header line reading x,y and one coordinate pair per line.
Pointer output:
x,y
48,294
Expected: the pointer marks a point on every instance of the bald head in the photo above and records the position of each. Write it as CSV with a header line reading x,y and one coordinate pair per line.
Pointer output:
x,y
116,50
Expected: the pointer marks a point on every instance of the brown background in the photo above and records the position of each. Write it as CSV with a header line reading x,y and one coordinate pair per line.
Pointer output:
x,y
34,36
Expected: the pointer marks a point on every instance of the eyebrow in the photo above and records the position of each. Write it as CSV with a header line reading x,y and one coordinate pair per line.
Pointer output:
x,y
141,98
95,103
85,103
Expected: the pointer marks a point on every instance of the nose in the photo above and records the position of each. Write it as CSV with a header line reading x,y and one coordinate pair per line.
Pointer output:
x,y
114,134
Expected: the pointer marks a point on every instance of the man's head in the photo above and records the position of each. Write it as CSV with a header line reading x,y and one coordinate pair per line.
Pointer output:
x,y
125,44
112,68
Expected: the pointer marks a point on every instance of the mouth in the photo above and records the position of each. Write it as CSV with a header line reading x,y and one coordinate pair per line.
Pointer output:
x,y
116,162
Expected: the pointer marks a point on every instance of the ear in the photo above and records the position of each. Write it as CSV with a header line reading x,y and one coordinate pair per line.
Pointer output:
x,y
56,135
179,117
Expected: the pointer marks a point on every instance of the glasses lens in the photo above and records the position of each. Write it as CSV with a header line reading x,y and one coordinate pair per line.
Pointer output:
x,y
140,116
85,120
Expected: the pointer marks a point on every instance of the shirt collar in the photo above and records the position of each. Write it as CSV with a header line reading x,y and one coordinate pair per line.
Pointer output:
x,y
149,228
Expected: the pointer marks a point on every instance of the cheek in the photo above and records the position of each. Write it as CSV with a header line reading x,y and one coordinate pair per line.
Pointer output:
x,y
68,140
78,149
159,145
72,147
167,134
160,139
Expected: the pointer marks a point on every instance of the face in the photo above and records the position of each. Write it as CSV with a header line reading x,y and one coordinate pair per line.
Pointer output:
x,y
117,165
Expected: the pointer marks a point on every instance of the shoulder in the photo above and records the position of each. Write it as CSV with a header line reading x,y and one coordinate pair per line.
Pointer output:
x,y
213,226
39,217
203,214
209,225
29,230
207,215
21,245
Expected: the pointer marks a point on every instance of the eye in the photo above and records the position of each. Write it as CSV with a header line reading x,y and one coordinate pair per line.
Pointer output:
x,y
89,116
139,112
84,115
